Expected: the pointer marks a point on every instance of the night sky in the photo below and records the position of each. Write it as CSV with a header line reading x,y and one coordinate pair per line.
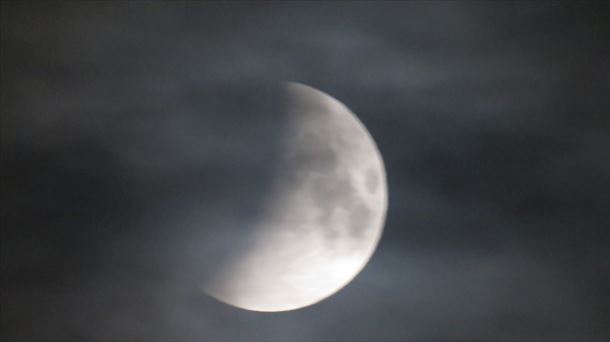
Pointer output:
x,y
137,138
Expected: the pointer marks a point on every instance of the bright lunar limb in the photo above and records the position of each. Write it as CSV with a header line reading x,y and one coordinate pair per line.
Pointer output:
x,y
324,215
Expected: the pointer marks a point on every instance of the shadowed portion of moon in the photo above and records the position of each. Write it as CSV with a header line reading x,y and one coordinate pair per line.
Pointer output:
x,y
323,216
226,144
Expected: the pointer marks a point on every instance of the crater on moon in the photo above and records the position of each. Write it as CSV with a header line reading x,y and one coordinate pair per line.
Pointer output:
x,y
372,180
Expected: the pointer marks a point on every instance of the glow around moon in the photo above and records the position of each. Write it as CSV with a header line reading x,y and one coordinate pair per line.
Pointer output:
x,y
324,214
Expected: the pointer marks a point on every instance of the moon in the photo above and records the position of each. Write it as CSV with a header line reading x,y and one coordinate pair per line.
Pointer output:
x,y
324,214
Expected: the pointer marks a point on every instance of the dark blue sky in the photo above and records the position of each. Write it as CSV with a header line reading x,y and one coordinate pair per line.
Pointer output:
x,y
131,131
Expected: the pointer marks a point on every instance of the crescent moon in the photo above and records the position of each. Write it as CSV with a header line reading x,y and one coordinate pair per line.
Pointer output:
x,y
324,216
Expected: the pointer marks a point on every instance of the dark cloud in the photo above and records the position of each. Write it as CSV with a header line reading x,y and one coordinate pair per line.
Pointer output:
x,y
138,138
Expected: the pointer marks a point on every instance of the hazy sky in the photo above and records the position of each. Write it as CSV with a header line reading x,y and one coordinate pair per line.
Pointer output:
x,y
137,138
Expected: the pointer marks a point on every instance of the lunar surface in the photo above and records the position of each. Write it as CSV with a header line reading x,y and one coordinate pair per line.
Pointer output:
x,y
324,214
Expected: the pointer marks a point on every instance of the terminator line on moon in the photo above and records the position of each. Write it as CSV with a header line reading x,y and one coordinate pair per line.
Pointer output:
x,y
325,215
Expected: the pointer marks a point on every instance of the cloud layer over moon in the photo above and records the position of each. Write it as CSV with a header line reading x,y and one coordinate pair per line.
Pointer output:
x,y
121,125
